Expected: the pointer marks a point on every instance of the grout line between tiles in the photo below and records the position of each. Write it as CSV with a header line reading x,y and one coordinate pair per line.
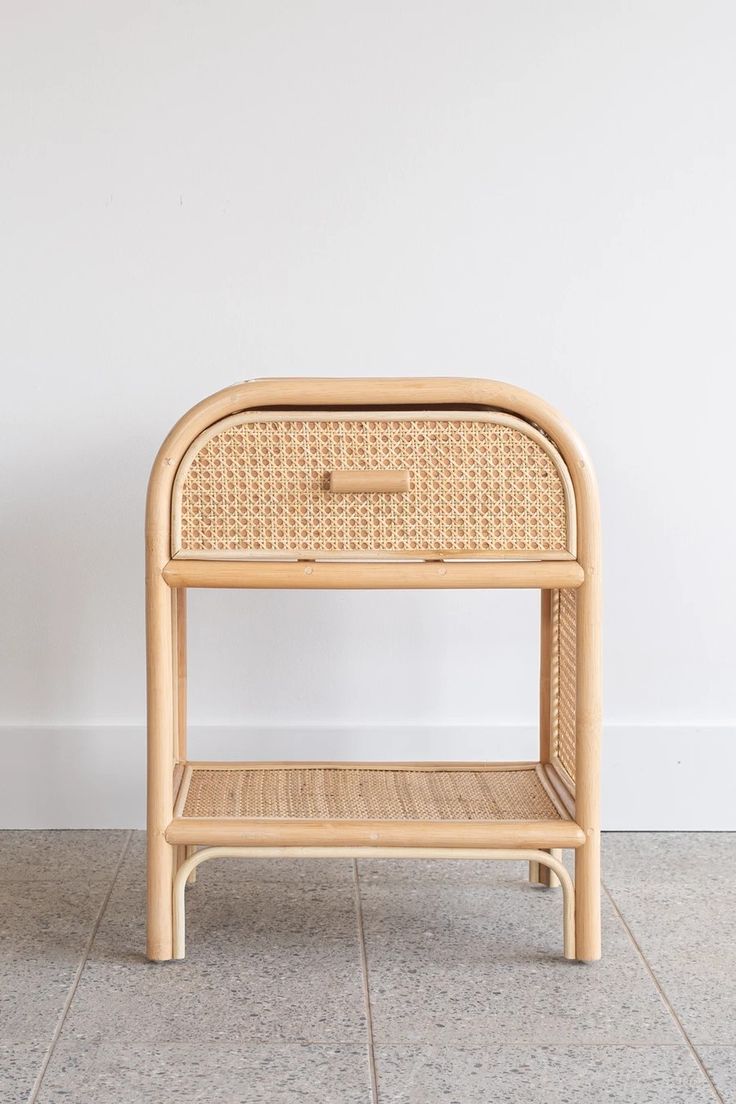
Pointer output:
x,y
77,975
366,985
663,995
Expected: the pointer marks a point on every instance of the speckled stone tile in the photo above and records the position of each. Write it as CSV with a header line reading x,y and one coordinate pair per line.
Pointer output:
x,y
265,962
19,1064
247,916
116,1072
59,856
462,964
47,922
720,1062
32,996
687,939
442,870
691,862
301,993
541,1075
677,893
44,929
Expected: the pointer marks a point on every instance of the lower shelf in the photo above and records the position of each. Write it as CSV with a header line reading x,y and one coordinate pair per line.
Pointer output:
x,y
431,805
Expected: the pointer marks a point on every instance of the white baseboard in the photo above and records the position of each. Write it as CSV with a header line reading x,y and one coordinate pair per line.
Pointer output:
x,y
655,777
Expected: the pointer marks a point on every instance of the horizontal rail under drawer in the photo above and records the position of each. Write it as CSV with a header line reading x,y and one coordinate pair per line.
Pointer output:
x,y
514,575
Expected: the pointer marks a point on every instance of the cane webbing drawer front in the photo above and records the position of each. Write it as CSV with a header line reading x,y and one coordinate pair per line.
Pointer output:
x,y
259,485
343,792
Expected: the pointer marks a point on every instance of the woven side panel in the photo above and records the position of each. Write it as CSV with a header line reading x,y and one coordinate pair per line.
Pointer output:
x,y
563,678
337,793
261,486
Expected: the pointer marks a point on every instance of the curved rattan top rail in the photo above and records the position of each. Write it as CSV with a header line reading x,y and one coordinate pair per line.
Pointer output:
x,y
460,441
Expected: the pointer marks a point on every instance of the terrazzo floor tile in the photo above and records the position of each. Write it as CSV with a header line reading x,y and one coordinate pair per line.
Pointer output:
x,y
542,1075
32,997
400,871
465,969
47,921
688,940
130,1073
246,916
265,962
19,1064
298,995
677,893
44,930
720,1062
462,964
28,856
692,862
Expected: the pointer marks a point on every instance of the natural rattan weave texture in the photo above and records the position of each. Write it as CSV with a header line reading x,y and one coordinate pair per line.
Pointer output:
x,y
564,604
258,484
354,793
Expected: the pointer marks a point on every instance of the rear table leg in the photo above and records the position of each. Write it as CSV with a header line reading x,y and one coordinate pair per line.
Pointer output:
x,y
542,875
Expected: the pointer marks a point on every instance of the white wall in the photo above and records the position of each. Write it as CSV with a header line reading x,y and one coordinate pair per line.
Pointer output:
x,y
195,193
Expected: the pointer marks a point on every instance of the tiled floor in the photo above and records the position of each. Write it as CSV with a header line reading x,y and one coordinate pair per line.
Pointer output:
x,y
381,983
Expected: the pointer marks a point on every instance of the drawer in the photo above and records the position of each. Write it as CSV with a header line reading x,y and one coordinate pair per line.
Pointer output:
x,y
372,485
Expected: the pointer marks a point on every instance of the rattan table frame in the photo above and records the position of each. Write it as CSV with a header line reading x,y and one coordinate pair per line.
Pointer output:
x,y
570,707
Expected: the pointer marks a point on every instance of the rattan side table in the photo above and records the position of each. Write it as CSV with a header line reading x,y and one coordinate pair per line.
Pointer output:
x,y
377,484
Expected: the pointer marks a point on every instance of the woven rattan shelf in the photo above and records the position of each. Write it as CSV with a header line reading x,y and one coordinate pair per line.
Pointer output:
x,y
426,483
368,804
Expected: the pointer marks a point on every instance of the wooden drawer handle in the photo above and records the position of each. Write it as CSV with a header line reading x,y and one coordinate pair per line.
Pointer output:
x,y
377,482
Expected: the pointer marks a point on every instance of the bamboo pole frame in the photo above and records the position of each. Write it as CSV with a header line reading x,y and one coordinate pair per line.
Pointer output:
x,y
167,579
